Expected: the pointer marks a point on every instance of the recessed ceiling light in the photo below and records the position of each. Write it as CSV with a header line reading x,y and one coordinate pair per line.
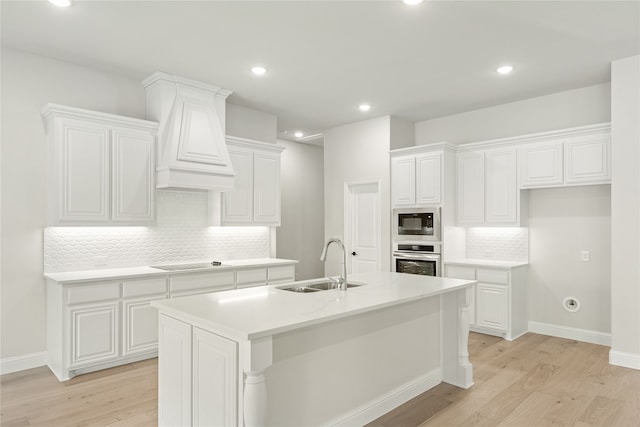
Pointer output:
x,y
411,2
298,134
505,69
61,3
364,107
258,70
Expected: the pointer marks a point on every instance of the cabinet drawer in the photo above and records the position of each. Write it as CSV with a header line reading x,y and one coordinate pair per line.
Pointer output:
x,y
187,282
137,288
457,272
493,276
251,277
281,274
92,293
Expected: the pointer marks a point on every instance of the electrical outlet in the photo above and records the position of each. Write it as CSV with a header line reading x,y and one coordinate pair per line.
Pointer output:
x,y
585,256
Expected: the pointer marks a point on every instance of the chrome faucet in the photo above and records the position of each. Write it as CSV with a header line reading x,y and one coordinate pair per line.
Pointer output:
x,y
342,281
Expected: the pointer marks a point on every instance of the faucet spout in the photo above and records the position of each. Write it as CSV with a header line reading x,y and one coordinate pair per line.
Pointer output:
x,y
342,281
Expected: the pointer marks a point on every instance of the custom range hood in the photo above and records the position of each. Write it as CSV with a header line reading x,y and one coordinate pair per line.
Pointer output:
x,y
192,153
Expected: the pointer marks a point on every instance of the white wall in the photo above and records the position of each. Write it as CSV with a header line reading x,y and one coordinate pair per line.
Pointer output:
x,y
301,233
625,212
244,122
403,133
28,83
355,152
560,110
562,223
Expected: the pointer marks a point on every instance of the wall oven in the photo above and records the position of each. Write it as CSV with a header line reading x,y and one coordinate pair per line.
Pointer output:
x,y
416,258
416,224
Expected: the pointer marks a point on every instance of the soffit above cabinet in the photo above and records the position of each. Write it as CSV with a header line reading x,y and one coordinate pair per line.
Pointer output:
x,y
192,153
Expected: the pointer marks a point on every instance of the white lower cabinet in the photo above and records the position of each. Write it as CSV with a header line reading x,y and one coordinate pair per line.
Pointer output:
x,y
100,324
499,300
94,333
212,361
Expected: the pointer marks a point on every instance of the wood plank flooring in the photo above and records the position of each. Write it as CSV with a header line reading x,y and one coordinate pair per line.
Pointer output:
x,y
533,381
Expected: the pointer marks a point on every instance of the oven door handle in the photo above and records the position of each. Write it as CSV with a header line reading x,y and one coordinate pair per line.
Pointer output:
x,y
417,257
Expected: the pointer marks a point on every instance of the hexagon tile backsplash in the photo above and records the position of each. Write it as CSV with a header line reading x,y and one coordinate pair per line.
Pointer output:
x,y
180,235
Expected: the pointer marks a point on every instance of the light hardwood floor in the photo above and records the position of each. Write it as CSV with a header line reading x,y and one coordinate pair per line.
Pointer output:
x,y
533,381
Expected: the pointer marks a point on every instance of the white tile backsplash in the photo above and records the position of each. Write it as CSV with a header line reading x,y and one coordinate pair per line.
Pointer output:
x,y
498,243
180,235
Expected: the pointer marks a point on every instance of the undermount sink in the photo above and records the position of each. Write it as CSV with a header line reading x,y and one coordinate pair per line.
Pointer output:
x,y
316,285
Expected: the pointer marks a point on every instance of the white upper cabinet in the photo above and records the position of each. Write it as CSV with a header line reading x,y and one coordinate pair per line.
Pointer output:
x,y
501,186
101,168
416,179
488,191
541,164
255,199
470,188
587,159
577,158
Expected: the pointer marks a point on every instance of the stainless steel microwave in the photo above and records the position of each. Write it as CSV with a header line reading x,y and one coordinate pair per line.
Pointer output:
x,y
416,224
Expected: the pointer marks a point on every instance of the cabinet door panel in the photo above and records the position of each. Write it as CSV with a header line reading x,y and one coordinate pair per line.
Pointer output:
x,y
140,332
251,277
428,179
492,306
133,171
237,205
470,188
403,181
174,371
541,164
587,160
214,380
94,333
207,282
266,184
281,274
501,190
83,164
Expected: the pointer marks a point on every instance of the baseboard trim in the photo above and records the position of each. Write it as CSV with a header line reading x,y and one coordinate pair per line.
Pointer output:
x,y
626,360
21,363
577,334
388,401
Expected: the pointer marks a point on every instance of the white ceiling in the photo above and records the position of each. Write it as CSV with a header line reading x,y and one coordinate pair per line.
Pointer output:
x,y
326,57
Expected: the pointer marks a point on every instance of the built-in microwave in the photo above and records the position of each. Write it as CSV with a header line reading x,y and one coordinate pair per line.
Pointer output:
x,y
416,224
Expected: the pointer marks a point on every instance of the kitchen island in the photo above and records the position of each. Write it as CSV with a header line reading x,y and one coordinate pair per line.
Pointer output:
x,y
268,356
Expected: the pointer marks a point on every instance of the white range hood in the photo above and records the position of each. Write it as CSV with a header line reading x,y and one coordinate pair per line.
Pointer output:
x,y
192,153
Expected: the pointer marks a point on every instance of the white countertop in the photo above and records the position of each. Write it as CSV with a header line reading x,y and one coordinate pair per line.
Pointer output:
x,y
266,310
146,271
486,263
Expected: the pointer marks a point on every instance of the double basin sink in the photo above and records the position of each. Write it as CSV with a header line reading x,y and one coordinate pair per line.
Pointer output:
x,y
315,285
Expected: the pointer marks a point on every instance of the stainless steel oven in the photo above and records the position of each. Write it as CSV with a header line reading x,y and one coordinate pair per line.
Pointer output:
x,y
416,258
416,224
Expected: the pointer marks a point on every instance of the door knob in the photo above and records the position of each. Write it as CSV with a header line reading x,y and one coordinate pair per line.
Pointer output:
x,y
354,253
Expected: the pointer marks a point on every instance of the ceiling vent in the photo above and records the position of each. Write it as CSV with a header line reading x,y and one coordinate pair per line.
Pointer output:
x,y
192,153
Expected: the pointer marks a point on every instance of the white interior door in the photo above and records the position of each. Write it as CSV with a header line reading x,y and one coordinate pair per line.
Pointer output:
x,y
363,226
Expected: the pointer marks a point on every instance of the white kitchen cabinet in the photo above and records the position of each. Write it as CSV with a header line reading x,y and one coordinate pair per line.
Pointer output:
x,y
499,303
200,283
470,188
541,164
139,319
281,274
492,305
567,160
100,168
198,377
94,333
255,199
487,188
416,180
587,159
249,277
215,382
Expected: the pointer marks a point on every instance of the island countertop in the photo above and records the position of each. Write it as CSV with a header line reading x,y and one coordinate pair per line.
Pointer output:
x,y
252,313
